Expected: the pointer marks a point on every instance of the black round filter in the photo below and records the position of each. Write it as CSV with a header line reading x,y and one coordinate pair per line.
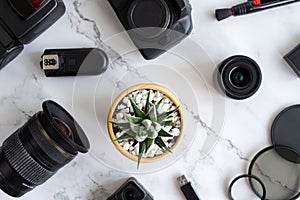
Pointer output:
x,y
250,177
286,130
150,17
280,176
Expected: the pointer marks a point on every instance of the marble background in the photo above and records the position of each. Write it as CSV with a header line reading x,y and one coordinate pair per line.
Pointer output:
x,y
265,37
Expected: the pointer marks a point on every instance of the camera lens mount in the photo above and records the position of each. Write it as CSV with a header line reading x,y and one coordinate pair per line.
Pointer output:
x,y
239,77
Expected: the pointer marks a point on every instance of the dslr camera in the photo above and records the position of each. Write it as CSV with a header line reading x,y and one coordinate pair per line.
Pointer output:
x,y
131,190
154,26
21,21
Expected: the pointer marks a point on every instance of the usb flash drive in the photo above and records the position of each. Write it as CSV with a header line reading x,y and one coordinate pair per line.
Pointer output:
x,y
187,188
74,62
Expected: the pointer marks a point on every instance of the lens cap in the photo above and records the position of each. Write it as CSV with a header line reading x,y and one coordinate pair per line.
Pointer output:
x,y
279,175
52,111
286,130
239,76
149,17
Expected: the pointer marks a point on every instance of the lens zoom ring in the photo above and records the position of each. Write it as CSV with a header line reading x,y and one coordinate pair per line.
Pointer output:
x,y
22,162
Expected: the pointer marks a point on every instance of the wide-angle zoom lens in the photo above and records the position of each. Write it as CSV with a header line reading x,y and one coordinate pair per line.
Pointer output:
x,y
35,152
239,77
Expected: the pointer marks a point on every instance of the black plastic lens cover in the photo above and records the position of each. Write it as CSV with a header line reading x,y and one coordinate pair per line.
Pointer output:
x,y
286,130
155,13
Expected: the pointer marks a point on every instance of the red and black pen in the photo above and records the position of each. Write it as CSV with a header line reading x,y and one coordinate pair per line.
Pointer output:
x,y
250,7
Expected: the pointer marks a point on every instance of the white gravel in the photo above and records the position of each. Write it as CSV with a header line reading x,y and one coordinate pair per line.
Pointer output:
x,y
140,97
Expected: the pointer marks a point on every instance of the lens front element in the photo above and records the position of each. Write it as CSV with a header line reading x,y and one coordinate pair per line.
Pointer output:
x,y
240,77
65,129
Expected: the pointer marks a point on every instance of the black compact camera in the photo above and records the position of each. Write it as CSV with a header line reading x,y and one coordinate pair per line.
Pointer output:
x,y
154,26
21,21
131,190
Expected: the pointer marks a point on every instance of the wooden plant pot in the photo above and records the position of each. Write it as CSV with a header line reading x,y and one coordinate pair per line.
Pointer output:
x,y
117,101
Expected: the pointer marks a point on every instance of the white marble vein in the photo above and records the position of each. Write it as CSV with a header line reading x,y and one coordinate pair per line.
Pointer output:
x,y
265,37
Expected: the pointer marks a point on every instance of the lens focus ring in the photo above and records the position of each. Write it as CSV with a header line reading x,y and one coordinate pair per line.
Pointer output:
x,y
22,162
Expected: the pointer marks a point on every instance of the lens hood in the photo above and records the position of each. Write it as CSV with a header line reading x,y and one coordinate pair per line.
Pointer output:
x,y
52,110
239,77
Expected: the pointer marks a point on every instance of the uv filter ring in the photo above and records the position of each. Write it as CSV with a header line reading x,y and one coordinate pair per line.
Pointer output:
x,y
263,197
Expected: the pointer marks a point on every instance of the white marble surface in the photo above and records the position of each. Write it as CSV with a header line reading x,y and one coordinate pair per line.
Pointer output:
x,y
265,37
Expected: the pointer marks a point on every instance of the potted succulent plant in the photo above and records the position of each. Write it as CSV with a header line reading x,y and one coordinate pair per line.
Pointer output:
x,y
145,122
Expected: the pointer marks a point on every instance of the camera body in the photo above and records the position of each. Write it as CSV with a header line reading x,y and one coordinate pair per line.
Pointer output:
x,y
131,189
21,21
154,26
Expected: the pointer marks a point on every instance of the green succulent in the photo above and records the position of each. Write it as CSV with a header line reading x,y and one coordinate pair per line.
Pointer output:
x,y
146,126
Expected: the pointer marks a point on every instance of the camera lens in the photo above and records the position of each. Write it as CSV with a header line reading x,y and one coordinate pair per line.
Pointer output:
x,y
149,18
130,195
239,76
35,152
130,191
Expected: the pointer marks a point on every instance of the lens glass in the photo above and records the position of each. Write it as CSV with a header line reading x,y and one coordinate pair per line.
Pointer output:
x,y
64,127
130,195
148,18
240,77
149,13
131,192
